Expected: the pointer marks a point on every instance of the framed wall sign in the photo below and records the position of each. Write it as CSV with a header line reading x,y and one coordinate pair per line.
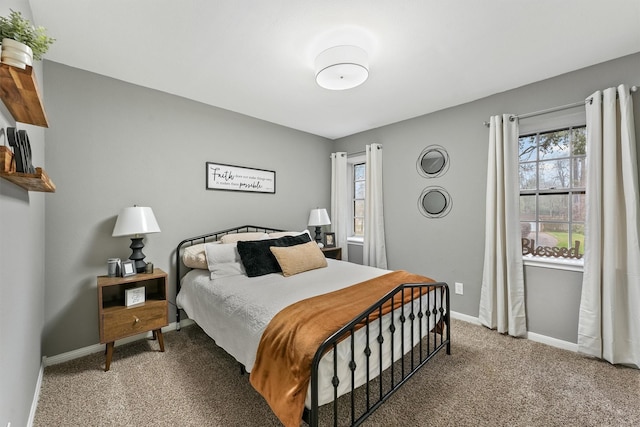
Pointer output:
x,y
238,178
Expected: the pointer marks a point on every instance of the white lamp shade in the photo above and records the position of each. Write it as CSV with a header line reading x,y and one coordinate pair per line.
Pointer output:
x,y
135,220
319,217
342,67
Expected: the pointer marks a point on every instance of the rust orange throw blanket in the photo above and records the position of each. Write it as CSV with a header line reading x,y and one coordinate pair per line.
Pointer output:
x,y
282,371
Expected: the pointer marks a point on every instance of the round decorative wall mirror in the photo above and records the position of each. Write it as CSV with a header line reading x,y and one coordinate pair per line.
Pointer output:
x,y
434,202
433,161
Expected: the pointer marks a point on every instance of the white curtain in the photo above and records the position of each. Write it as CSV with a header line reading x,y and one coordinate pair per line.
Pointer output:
x,y
374,251
609,322
502,303
340,201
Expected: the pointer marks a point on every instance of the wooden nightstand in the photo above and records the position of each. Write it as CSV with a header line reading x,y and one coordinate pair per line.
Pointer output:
x,y
335,253
118,321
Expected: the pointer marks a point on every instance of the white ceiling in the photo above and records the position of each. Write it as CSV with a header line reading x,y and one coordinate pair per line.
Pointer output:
x,y
256,57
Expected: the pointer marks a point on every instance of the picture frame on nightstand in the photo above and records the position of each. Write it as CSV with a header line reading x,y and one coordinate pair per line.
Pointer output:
x,y
134,296
128,268
329,240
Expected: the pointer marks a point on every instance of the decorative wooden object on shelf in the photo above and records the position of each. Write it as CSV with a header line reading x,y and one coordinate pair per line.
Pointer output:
x,y
6,160
38,181
19,92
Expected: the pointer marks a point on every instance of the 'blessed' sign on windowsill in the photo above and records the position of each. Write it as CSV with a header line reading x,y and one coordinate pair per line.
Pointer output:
x,y
529,248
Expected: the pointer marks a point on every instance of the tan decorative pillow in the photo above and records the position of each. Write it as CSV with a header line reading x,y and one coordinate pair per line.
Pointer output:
x,y
243,237
299,258
194,257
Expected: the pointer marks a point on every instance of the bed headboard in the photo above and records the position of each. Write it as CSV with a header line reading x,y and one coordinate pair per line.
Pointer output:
x,y
182,269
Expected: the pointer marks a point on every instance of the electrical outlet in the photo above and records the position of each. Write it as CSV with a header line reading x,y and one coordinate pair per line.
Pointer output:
x,y
459,288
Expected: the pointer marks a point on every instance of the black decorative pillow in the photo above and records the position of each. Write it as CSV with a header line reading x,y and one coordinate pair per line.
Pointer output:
x,y
257,257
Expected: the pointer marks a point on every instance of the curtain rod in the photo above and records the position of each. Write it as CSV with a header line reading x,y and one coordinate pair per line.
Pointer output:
x,y
552,109
358,153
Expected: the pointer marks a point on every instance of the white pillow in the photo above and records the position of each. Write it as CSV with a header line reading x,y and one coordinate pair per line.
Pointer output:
x,y
194,256
237,237
278,234
223,260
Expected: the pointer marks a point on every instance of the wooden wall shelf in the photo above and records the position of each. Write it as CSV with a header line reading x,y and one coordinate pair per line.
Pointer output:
x,y
38,181
19,92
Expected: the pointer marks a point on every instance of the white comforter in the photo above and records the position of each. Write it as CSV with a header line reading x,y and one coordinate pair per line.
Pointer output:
x,y
235,311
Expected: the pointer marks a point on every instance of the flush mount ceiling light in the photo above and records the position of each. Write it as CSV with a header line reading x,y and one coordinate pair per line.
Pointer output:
x,y
342,67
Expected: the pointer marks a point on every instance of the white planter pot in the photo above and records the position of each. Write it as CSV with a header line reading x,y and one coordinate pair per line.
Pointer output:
x,y
16,54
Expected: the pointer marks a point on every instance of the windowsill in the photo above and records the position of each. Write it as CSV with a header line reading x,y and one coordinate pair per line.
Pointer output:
x,y
555,263
355,240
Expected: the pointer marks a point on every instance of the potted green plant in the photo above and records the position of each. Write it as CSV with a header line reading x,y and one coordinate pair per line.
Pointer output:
x,y
16,32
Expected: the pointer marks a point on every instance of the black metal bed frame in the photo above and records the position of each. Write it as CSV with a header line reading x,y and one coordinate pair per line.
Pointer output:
x,y
417,353
352,408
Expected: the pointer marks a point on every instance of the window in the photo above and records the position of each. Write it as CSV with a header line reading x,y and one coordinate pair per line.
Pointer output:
x,y
356,175
552,192
357,206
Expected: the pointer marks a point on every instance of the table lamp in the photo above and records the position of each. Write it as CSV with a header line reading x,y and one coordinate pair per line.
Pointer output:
x,y
136,221
318,217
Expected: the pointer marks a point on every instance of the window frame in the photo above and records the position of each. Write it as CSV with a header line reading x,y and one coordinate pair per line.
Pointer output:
x,y
545,124
351,163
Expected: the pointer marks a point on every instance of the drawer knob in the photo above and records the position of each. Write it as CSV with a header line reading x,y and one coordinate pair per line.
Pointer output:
x,y
137,320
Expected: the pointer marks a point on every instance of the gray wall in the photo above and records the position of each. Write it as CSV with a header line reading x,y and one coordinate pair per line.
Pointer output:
x,y
113,144
451,249
22,279
355,253
553,296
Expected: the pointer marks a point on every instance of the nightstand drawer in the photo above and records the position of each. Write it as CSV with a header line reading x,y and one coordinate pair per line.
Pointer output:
x,y
123,322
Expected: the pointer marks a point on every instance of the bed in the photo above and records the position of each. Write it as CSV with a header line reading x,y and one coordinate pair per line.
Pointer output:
x,y
406,321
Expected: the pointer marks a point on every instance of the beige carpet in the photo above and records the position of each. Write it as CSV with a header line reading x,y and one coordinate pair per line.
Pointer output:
x,y
488,380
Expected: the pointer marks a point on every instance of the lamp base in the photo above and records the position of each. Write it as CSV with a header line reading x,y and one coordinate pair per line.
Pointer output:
x,y
137,256
318,234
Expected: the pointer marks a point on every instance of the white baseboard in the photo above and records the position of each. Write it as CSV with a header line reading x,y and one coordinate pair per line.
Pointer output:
x,y
465,317
36,395
553,342
96,348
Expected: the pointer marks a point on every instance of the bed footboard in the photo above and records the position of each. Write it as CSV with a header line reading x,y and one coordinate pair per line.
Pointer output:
x,y
413,335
